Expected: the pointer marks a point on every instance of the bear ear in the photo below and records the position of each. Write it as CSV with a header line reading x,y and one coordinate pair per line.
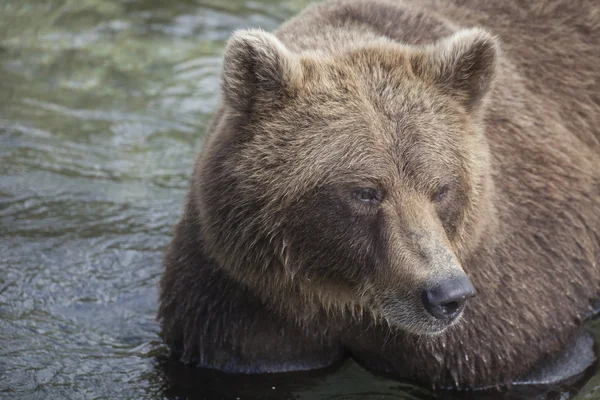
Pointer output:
x,y
464,64
255,63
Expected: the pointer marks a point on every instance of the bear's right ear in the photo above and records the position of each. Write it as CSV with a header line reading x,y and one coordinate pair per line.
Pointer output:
x,y
257,63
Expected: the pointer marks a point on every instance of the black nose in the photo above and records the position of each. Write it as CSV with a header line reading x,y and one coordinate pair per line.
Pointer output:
x,y
447,299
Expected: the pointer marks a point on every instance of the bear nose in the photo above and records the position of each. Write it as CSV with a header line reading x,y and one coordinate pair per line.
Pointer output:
x,y
446,300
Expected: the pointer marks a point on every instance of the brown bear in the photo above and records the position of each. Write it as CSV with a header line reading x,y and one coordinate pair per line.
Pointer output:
x,y
373,165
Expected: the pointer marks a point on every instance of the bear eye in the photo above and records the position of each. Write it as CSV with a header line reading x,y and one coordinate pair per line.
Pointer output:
x,y
371,196
441,194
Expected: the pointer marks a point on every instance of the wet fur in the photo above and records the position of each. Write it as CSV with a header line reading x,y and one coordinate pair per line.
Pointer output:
x,y
248,288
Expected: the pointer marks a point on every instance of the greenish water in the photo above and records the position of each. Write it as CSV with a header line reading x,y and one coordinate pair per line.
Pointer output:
x,y
103,104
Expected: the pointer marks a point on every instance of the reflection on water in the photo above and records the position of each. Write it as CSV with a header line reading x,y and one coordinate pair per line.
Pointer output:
x,y
103,104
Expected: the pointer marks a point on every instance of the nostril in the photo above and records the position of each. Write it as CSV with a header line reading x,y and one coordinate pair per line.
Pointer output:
x,y
447,299
452,307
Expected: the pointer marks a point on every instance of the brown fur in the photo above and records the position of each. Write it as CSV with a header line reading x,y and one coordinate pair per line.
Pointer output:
x,y
275,266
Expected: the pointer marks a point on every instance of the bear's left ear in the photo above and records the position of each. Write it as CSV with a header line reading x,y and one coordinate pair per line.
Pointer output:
x,y
256,63
463,64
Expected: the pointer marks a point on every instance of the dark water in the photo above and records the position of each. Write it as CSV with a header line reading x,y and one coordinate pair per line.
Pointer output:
x,y
103,104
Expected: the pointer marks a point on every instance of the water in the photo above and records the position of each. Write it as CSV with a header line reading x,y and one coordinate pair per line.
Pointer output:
x,y
103,104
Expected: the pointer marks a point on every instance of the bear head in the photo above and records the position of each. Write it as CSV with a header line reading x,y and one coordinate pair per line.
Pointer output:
x,y
357,180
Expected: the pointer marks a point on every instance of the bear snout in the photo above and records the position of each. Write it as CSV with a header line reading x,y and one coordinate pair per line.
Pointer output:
x,y
446,299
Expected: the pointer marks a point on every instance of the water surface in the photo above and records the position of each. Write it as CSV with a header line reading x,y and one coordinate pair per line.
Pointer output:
x,y
103,104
